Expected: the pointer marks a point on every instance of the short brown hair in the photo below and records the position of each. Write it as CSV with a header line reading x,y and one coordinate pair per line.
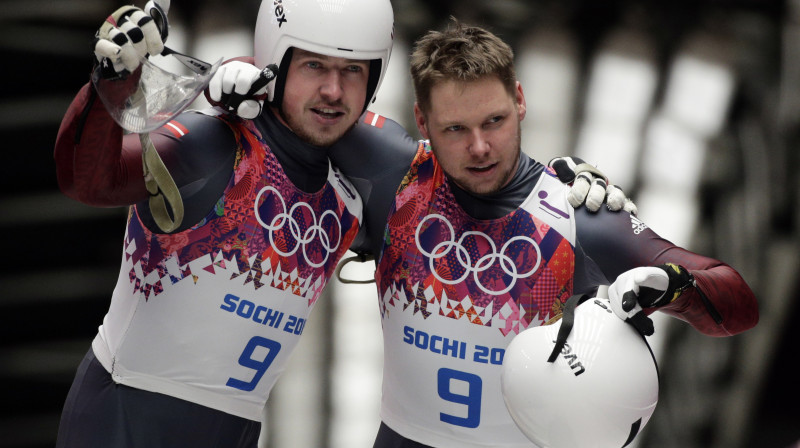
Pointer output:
x,y
461,53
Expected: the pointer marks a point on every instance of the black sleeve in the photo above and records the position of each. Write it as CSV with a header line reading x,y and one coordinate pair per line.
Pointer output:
x,y
615,242
618,241
199,151
375,159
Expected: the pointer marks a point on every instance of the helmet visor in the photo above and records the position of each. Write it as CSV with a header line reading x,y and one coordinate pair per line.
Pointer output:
x,y
159,96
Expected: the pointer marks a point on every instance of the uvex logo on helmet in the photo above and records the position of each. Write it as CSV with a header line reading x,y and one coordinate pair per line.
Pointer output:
x,y
572,359
279,14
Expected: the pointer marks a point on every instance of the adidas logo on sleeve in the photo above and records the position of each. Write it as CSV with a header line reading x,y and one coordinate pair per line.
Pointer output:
x,y
637,225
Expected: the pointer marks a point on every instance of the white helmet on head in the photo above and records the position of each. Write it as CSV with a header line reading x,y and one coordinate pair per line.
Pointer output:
x,y
352,29
599,390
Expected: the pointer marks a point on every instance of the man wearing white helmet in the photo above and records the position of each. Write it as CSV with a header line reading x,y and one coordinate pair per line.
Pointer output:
x,y
205,315
475,242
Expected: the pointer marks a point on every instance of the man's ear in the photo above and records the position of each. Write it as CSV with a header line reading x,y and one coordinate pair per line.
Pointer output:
x,y
522,107
419,118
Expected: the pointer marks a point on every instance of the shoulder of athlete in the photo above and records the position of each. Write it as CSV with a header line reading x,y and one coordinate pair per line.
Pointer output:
x,y
194,145
375,155
198,150
590,222
605,233
618,241
374,147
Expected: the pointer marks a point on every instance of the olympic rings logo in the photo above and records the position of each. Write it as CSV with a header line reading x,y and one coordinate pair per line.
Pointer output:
x,y
314,232
483,263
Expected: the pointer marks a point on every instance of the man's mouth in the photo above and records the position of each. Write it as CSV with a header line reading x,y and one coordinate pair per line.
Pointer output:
x,y
327,113
482,168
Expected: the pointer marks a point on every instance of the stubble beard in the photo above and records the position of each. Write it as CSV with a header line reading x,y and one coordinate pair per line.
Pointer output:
x,y
478,188
311,135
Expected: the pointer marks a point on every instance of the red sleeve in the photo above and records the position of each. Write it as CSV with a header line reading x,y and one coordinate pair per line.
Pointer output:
x,y
95,164
722,304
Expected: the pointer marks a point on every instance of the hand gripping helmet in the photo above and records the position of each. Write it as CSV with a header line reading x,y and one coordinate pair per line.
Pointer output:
x,y
595,386
352,29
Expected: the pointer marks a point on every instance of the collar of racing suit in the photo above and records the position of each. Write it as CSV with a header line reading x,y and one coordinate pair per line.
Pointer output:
x,y
507,199
306,165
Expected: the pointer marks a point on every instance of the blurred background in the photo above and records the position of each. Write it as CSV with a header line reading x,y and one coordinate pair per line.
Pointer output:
x,y
691,106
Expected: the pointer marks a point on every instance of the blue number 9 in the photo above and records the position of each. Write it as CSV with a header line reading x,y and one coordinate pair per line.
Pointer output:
x,y
472,400
246,360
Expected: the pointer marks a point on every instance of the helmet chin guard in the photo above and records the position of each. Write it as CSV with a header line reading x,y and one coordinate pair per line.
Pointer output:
x,y
351,29
599,390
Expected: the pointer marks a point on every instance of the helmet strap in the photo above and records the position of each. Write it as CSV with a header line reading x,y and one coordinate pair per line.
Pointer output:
x,y
372,81
567,321
280,81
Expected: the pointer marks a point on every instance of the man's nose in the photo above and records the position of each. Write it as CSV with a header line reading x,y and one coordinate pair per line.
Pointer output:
x,y
331,87
479,145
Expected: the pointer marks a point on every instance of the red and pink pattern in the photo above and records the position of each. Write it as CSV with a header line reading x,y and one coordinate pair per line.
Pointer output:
x,y
298,253
506,273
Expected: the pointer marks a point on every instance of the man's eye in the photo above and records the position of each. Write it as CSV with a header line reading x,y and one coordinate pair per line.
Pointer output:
x,y
454,128
312,64
354,68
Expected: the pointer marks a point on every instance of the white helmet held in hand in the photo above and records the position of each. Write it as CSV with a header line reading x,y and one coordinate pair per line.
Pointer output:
x,y
596,387
352,29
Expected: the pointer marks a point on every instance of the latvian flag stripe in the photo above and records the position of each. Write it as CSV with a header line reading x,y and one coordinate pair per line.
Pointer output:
x,y
177,129
374,119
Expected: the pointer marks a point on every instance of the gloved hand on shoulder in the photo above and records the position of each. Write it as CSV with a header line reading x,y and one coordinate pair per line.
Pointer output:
x,y
647,287
590,186
127,36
